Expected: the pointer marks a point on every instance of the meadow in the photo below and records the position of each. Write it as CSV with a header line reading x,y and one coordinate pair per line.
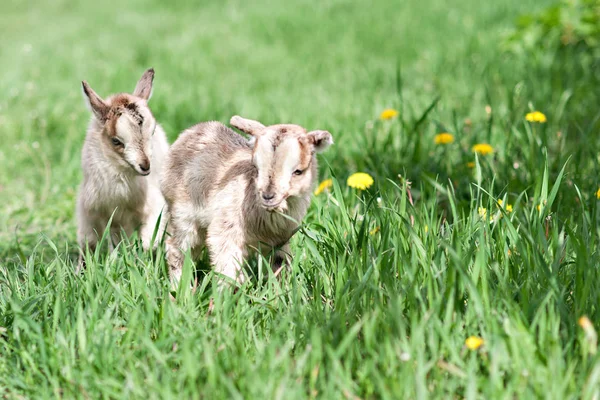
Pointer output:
x,y
463,271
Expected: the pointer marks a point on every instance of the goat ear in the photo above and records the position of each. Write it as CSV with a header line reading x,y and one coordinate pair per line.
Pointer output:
x,y
321,140
143,89
95,102
248,126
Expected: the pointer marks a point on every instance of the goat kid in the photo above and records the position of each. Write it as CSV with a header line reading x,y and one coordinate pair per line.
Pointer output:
x,y
122,160
237,196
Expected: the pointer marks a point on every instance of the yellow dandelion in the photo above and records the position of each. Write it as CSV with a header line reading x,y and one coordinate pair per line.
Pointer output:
x,y
483,149
591,337
326,184
388,113
374,230
536,116
598,194
585,322
360,181
540,206
426,228
482,211
471,164
444,138
473,342
508,207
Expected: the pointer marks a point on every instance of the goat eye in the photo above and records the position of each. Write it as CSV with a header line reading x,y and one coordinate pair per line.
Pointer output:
x,y
116,142
298,172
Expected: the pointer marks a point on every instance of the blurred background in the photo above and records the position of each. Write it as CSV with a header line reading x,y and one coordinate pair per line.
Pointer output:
x,y
466,67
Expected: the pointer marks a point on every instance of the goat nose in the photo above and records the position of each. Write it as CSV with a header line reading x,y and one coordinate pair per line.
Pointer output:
x,y
145,166
268,196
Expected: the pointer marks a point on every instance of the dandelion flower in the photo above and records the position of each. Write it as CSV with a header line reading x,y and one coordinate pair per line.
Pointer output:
x,y
585,322
590,334
388,113
326,184
360,181
541,205
374,231
444,138
471,164
508,207
473,342
482,211
483,149
598,194
536,116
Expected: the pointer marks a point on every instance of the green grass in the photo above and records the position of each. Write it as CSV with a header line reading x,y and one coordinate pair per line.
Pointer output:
x,y
387,283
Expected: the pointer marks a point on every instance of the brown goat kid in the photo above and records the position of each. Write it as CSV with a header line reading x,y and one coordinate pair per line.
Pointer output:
x,y
122,160
237,196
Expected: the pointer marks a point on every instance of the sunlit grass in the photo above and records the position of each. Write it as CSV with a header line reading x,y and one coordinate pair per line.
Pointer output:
x,y
462,265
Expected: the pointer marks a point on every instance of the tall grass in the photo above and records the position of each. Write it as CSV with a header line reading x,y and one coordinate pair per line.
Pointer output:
x,y
386,283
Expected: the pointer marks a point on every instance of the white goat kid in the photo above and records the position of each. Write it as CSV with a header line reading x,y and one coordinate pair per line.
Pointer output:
x,y
236,196
122,160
